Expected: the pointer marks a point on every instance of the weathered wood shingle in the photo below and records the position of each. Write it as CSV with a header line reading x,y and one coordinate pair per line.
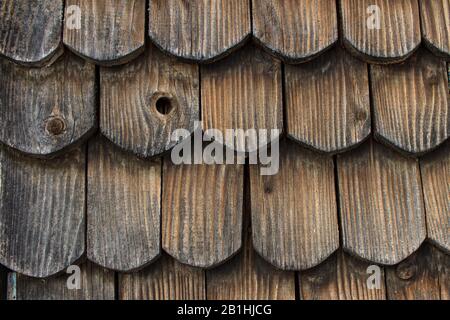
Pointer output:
x,y
42,212
418,277
243,92
327,102
109,32
341,277
202,212
95,284
435,18
30,31
44,111
295,30
381,31
247,276
382,211
165,279
124,204
411,103
294,215
199,30
143,102
435,170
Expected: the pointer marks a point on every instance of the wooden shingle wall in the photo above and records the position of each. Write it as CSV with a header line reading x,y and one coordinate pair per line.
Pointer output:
x,y
359,91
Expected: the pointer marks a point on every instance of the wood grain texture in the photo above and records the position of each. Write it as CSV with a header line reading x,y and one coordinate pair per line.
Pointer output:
x,y
435,18
43,111
295,30
327,102
3,281
96,284
411,103
129,96
443,262
199,30
42,209
243,92
382,211
165,279
294,215
30,32
202,212
416,278
435,170
341,277
124,208
112,31
247,276
396,38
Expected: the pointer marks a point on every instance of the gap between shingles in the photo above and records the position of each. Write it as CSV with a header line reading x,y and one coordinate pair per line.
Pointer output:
x,y
372,128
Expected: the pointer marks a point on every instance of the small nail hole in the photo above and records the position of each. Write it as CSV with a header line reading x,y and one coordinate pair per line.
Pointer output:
x,y
164,106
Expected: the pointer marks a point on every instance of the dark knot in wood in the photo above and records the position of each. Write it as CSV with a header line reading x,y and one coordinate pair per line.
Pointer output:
x,y
55,126
406,270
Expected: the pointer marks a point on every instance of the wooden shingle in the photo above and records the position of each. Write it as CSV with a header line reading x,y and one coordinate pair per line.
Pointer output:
x,y
96,283
380,31
124,203
381,204
418,276
44,111
341,277
411,103
435,170
202,212
42,212
247,276
295,30
435,18
30,32
110,32
3,281
327,102
243,92
294,215
199,30
165,279
143,102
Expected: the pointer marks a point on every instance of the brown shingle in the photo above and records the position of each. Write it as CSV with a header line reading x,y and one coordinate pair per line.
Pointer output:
x,y
111,31
294,215
392,40
411,103
199,30
435,170
202,212
95,284
295,30
435,17
417,277
129,96
242,91
123,208
30,32
166,279
327,102
341,277
42,217
44,111
382,211
247,276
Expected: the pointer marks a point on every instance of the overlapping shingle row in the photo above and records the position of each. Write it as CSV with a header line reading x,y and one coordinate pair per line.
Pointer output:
x,y
314,70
